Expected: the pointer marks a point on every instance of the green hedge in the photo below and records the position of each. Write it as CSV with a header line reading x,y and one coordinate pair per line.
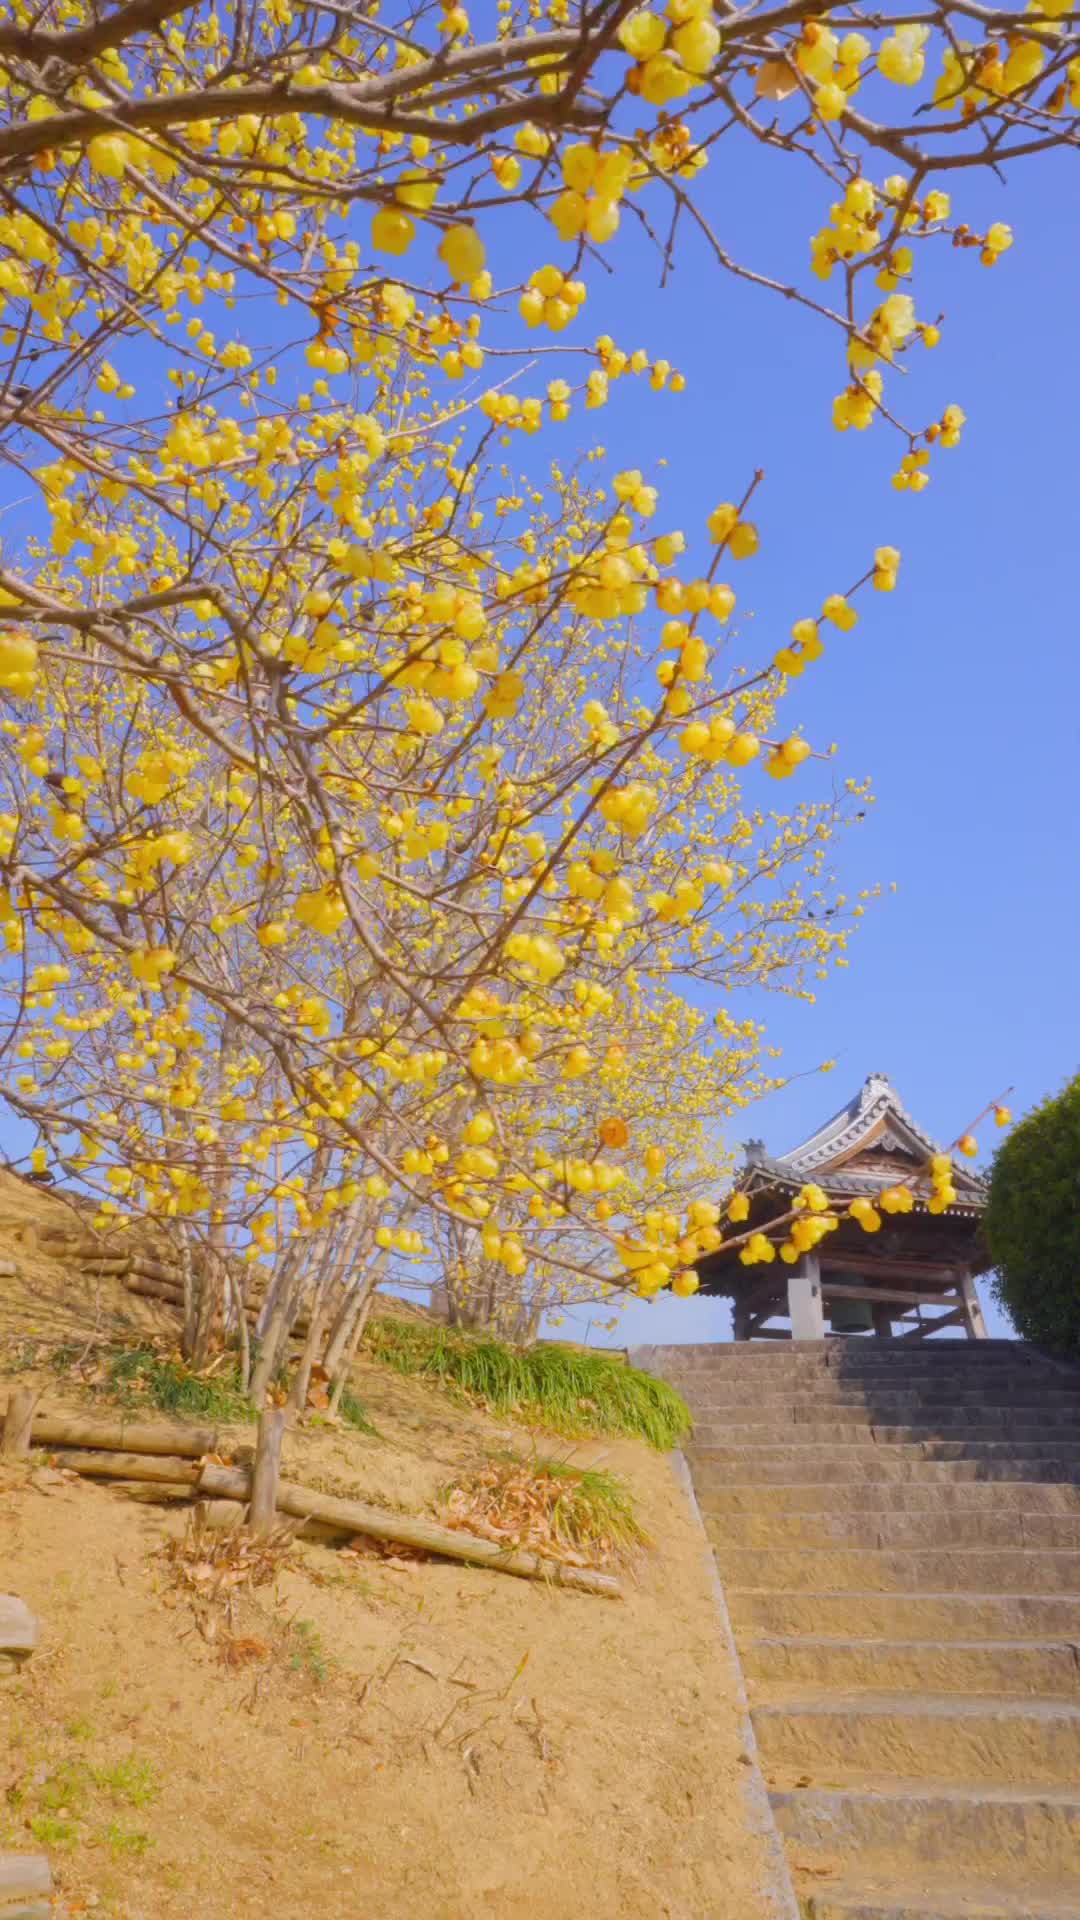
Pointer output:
x,y
1033,1223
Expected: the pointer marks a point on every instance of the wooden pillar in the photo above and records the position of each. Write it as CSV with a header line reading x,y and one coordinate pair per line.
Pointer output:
x,y
972,1310
740,1321
804,1300
882,1322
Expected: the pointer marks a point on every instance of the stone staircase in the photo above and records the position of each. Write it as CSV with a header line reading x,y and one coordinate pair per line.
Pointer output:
x,y
897,1530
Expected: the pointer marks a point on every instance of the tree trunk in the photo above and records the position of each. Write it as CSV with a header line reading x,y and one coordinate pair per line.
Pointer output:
x,y
320,1313
237,1293
262,1513
279,1278
187,1283
276,1330
366,1294
355,1247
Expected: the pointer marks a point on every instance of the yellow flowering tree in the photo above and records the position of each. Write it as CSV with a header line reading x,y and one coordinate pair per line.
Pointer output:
x,y
376,782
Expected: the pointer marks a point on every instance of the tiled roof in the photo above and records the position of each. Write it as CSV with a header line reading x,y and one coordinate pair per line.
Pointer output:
x,y
874,1117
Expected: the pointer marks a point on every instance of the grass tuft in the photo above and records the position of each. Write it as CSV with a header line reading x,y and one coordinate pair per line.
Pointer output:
x,y
309,1656
131,1782
139,1376
126,1843
351,1410
570,1391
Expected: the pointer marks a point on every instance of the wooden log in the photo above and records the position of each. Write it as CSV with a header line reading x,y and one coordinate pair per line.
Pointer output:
x,y
25,1886
162,1467
156,1270
352,1516
124,1436
155,1289
18,1631
172,1293
15,1444
8,1269
62,1244
267,1470
222,1516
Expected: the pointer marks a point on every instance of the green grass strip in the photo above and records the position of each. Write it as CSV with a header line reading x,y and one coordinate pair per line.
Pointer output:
x,y
570,1391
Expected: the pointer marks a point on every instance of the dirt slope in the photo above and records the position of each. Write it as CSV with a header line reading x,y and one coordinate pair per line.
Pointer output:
x,y
411,1742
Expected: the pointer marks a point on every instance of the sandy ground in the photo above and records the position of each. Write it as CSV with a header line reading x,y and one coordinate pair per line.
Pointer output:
x,y
412,1742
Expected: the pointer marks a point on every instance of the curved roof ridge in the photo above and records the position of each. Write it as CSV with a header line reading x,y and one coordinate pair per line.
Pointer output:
x,y
876,1097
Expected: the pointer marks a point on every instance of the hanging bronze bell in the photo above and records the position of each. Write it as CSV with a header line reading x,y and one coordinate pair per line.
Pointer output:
x,y
851,1316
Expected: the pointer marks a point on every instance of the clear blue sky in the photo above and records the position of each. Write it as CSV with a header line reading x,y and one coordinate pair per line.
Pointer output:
x,y
960,693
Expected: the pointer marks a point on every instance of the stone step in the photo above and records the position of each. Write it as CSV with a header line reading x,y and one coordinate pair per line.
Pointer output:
x,y
881,1469
773,1662
925,1898
997,1428
848,1468
879,1570
1012,1528
985,1459
944,1739
1019,1839
832,1352
896,1376
867,1446
811,1381
883,1409
828,1383
872,1496
906,1616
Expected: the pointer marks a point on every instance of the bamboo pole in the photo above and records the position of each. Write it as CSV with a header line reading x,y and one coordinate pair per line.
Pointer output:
x,y
267,1470
163,1468
15,1443
352,1516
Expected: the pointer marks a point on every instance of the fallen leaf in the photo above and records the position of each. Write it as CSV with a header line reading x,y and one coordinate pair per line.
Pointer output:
x,y
238,1651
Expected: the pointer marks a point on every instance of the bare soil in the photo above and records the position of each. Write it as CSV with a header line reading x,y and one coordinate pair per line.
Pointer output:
x,y
408,1740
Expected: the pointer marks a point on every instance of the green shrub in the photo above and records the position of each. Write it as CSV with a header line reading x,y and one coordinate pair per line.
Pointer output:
x,y
1032,1223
